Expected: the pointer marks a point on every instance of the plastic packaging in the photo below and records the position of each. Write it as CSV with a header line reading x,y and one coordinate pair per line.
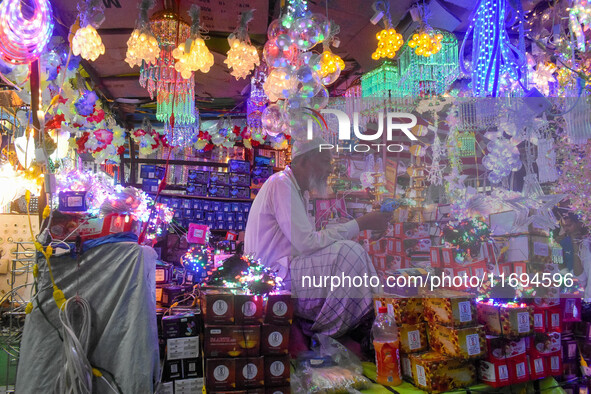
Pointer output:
x,y
387,346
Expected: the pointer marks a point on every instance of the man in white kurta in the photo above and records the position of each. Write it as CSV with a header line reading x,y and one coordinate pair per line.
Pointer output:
x,y
280,233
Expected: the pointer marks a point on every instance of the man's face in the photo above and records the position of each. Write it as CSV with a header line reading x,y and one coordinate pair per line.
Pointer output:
x,y
319,169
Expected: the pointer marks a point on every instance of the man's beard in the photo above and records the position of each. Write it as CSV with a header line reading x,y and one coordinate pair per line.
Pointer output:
x,y
318,186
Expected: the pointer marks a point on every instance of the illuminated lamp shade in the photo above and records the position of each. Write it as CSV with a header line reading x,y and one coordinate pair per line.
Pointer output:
x,y
389,42
431,75
426,42
22,39
87,43
173,93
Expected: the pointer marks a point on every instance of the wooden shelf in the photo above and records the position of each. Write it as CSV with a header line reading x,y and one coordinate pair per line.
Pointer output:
x,y
164,194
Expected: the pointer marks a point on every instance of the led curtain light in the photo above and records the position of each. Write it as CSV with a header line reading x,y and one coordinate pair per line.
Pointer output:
x,y
22,39
493,54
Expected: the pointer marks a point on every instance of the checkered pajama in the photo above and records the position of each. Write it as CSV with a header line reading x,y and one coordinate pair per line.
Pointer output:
x,y
338,311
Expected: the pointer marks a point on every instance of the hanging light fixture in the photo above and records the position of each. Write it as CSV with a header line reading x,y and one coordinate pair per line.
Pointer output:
x,y
175,95
256,104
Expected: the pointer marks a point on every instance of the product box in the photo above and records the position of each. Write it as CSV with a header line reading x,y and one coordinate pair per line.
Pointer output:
x,y
495,374
198,176
279,309
150,185
220,374
239,192
254,390
407,282
406,310
262,172
170,293
554,364
219,178
277,370
231,341
196,189
411,230
507,319
405,365
436,373
413,337
457,309
467,342
570,350
277,390
197,233
393,246
152,172
503,223
172,369
217,307
546,344
248,309
239,166
504,349
396,262
221,191
250,372
163,273
416,245
72,201
181,325
537,367
238,179
534,249
379,261
518,370
188,386
274,339
166,388
192,368
571,309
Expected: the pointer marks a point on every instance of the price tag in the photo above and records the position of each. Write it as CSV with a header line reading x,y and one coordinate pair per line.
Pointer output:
x,y
465,311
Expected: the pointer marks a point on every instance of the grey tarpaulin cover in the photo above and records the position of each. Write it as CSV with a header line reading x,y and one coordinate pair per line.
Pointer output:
x,y
118,282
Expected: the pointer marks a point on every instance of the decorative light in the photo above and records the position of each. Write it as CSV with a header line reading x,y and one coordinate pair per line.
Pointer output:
x,y
193,55
256,104
331,66
175,95
242,56
389,42
543,75
142,45
86,42
426,43
493,55
579,21
429,75
14,184
503,157
23,39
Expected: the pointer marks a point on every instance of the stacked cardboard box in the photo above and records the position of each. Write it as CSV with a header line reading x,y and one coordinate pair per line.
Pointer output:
x,y
245,342
218,215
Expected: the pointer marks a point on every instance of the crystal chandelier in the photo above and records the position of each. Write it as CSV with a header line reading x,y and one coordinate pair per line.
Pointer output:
x,y
175,96
256,104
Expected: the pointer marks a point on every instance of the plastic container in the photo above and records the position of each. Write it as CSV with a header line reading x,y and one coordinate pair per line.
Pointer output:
x,y
387,346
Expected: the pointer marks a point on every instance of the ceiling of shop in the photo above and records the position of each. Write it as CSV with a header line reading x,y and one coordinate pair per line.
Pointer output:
x,y
217,91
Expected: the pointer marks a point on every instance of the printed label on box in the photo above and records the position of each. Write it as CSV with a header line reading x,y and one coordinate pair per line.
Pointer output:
x,y
406,367
179,348
249,308
520,369
503,372
421,377
280,308
390,309
277,368
221,373
433,255
473,344
220,307
555,317
523,322
414,340
538,320
250,371
160,275
465,311
158,294
554,363
541,249
275,339
446,258
539,365
75,201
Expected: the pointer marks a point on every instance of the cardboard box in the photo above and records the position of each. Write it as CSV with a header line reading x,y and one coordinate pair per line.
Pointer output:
x,y
196,189
495,374
533,249
464,343
279,309
166,388
413,246
192,368
504,349
537,367
163,273
217,307
277,370
172,369
406,310
436,373
152,172
510,320
518,370
72,201
413,337
435,257
181,325
411,230
274,339
220,374
379,261
278,390
198,176
239,192
170,293
222,191
406,366
188,386
554,364
232,341
181,348
219,178
393,246
150,185
254,390
240,166
457,309
250,372
248,309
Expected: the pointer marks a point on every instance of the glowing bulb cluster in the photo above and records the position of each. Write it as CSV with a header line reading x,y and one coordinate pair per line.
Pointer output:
x,y
142,46
198,58
426,43
544,74
389,42
330,63
87,43
242,58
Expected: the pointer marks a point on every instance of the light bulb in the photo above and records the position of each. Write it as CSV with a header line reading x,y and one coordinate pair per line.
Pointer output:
x,y
87,43
142,46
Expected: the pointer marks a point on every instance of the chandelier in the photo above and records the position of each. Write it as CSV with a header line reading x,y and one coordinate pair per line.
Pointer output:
x,y
175,96
256,104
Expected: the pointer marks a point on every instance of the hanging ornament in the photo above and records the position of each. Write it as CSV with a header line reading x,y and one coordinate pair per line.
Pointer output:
x,y
256,104
546,160
426,43
543,75
580,21
142,46
193,55
280,84
502,159
493,55
22,39
242,56
86,42
435,171
389,40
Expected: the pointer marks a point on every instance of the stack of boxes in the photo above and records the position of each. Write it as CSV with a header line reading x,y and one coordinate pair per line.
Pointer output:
x,y
232,184
218,215
183,367
151,176
439,339
259,175
245,342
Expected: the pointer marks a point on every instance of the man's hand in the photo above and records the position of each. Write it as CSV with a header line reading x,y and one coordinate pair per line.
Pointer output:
x,y
377,221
